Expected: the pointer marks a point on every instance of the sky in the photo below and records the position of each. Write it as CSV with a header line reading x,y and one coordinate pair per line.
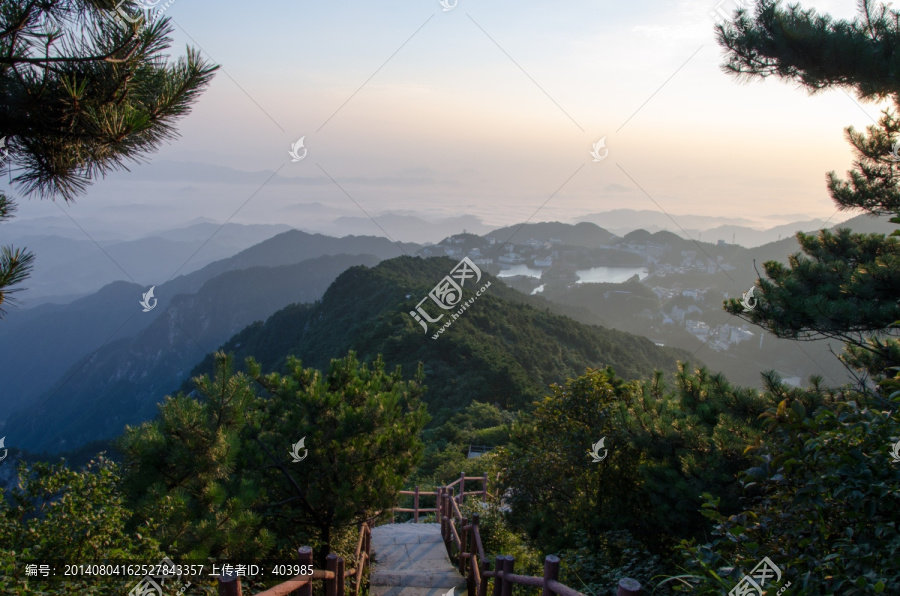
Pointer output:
x,y
490,108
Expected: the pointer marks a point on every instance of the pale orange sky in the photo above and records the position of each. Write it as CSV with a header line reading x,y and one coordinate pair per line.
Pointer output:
x,y
495,131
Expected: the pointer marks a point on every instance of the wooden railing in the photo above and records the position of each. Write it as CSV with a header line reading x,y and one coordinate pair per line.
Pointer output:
x,y
417,494
478,450
464,546
334,575
471,560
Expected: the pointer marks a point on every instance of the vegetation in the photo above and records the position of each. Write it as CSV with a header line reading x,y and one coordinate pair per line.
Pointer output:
x,y
84,95
220,464
698,480
665,448
504,351
821,501
844,285
66,516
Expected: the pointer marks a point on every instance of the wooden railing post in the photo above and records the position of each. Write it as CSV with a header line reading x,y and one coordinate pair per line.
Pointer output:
x,y
305,557
475,562
462,487
463,546
440,512
498,579
416,506
629,587
508,564
484,487
551,572
339,572
448,514
331,564
230,585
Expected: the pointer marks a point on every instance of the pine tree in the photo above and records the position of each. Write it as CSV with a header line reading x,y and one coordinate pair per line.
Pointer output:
x,y
219,463
83,94
663,447
844,285
818,499
362,439
15,263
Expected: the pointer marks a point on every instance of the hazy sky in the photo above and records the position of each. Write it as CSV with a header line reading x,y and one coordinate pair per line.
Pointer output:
x,y
490,109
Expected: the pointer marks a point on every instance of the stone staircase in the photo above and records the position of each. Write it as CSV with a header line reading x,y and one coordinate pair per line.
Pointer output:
x,y
411,560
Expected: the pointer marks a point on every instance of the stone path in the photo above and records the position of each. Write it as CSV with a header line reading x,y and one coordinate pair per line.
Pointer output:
x,y
411,560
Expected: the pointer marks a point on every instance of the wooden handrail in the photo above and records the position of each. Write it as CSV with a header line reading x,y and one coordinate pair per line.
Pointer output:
x,y
462,539
334,575
477,533
285,588
455,509
455,531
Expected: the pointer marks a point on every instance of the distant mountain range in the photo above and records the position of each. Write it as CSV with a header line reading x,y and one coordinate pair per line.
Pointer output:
x,y
40,344
79,371
122,381
589,235
71,266
409,227
731,230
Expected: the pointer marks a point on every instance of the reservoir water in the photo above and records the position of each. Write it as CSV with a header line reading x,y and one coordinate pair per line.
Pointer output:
x,y
610,275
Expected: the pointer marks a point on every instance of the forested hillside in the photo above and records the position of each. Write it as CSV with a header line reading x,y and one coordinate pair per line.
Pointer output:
x,y
122,382
501,350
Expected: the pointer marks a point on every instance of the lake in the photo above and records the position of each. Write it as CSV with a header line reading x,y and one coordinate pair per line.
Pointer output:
x,y
610,275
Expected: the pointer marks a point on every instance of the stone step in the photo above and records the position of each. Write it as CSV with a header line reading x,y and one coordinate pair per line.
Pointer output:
x,y
445,580
411,560
410,591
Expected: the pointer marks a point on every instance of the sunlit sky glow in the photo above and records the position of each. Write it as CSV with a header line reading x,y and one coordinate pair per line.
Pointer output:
x,y
451,125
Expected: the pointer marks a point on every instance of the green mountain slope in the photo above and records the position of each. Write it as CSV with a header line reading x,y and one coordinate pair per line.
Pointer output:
x,y
38,345
121,382
506,348
584,234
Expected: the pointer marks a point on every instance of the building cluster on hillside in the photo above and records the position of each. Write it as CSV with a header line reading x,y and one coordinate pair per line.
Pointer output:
x,y
540,254
689,317
691,263
718,338
558,264
652,250
543,253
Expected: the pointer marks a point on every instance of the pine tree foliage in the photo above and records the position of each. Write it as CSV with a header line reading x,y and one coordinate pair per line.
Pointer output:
x,y
843,285
15,263
361,426
666,446
820,497
187,463
220,464
814,49
84,95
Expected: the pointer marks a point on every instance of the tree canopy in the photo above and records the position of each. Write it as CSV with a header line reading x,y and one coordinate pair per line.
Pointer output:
x,y
220,463
843,285
84,94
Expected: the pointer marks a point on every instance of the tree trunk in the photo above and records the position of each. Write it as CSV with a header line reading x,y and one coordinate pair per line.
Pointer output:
x,y
325,541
